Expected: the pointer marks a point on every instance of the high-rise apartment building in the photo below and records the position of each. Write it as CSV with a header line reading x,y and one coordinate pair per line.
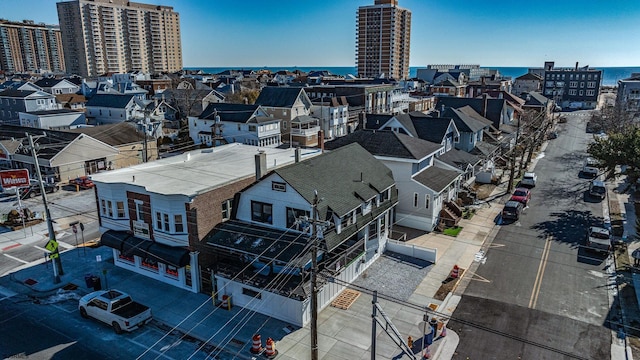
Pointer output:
x,y
101,36
29,47
382,40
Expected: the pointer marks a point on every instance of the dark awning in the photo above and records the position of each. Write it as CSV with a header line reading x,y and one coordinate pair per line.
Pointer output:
x,y
131,245
113,239
175,256
135,246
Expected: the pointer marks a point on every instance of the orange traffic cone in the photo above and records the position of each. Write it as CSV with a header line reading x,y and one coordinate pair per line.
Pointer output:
x,y
256,348
410,342
455,272
226,302
271,351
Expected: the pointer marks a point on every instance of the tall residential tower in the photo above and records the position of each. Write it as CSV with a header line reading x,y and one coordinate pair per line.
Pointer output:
x,y
29,47
382,40
101,36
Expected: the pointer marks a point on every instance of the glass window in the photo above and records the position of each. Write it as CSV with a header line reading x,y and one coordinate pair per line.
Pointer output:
x,y
426,201
110,208
261,212
226,209
139,214
165,217
177,222
158,220
120,209
415,199
293,215
103,207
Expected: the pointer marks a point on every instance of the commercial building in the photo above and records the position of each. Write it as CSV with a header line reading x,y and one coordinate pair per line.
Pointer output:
x,y
382,40
29,47
103,36
628,96
572,88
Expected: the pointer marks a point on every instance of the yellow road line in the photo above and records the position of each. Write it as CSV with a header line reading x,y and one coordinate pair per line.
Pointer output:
x,y
538,283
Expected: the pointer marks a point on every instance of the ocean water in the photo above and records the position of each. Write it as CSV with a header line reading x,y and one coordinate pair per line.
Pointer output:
x,y
610,75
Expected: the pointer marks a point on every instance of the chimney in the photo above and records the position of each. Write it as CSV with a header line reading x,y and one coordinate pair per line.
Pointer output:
x,y
261,164
363,120
576,66
321,140
298,154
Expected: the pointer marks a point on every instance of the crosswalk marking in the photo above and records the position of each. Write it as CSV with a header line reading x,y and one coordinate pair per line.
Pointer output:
x,y
15,258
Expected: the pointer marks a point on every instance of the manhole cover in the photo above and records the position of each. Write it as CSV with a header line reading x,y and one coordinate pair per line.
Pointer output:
x,y
30,282
70,286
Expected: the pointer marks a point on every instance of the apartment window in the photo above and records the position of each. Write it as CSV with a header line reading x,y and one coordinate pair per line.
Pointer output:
x,y
293,215
103,207
120,209
139,211
581,92
591,92
573,84
177,223
426,201
261,212
162,221
226,209
415,200
110,208
591,84
572,92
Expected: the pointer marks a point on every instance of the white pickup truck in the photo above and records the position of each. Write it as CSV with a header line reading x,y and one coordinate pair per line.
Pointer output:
x,y
114,308
598,239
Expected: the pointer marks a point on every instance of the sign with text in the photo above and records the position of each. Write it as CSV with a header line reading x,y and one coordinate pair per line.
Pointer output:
x,y
14,178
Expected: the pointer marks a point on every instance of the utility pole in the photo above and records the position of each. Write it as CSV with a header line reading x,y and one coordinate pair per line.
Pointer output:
x,y
52,245
314,280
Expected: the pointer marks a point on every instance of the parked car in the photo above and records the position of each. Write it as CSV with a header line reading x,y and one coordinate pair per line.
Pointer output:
x,y
34,190
562,119
512,210
597,189
598,239
522,195
529,179
552,135
115,308
84,182
590,167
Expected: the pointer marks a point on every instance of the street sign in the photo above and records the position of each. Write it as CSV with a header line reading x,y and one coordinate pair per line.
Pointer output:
x,y
52,246
54,255
75,229
14,178
81,227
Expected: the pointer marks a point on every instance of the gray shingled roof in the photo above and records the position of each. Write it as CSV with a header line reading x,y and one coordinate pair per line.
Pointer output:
x,y
534,98
12,93
529,76
375,121
459,158
435,178
274,96
239,113
112,134
342,177
119,101
430,129
387,143
494,106
467,120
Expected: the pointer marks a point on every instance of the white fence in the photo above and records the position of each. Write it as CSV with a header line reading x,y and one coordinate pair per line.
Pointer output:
x,y
415,251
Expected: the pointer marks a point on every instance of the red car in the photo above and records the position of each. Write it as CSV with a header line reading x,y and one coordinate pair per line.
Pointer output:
x,y
83,182
522,195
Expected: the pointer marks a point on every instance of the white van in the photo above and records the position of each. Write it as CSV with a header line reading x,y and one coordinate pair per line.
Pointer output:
x,y
590,167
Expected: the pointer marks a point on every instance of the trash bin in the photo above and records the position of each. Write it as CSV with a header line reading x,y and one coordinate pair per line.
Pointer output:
x,y
88,279
96,283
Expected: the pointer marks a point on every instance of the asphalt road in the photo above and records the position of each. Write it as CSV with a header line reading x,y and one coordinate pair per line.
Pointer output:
x,y
62,204
540,294
51,328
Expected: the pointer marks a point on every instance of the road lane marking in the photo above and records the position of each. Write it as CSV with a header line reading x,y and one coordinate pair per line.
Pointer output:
x,y
15,258
477,277
41,248
538,282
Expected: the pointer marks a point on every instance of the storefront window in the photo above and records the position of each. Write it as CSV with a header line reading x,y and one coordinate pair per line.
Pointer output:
x,y
150,264
125,258
172,271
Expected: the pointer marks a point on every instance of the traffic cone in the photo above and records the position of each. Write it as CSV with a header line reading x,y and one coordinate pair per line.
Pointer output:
x,y
455,272
444,330
271,351
256,348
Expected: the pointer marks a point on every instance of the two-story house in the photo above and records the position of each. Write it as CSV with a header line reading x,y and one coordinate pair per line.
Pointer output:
x,y
526,83
224,123
628,94
114,108
423,189
156,216
471,126
286,103
57,86
333,113
13,102
288,211
59,119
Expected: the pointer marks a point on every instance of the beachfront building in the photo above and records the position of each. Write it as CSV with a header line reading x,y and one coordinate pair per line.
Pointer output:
x,y
628,96
29,47
572,88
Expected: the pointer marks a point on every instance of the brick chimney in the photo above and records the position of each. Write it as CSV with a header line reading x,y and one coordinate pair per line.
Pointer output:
x,y
298,154
261,164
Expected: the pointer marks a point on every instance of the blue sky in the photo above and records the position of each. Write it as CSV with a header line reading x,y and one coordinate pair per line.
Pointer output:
x,y
227,33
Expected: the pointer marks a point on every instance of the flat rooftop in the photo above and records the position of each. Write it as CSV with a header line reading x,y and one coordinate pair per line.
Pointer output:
x,y
199,171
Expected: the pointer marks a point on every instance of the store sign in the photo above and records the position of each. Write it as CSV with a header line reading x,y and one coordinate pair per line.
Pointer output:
x,y
14,178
